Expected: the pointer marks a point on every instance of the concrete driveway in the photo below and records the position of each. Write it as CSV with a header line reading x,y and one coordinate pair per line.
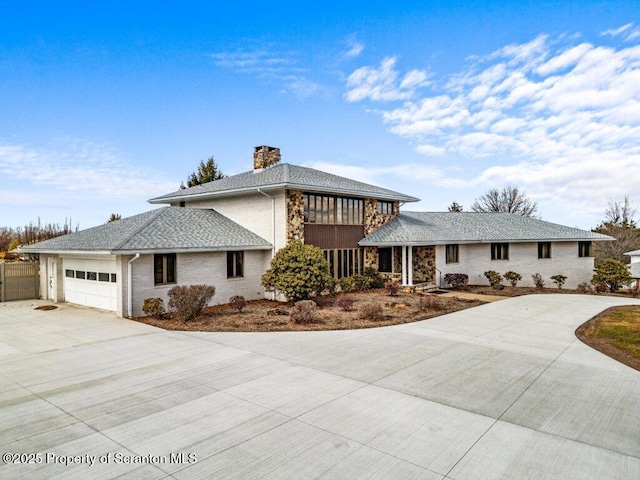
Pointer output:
x,y
500,391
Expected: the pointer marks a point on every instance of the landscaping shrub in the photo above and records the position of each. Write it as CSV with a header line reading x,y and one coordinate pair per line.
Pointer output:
x,y
370,311
538,281
513,277
345,302
600,287
237,302
430,303
584,287
324,301
494,278
456,280
613,273
153,307
299,271
392,288
376,280
305,311
559,280
362,282
347,284
186,302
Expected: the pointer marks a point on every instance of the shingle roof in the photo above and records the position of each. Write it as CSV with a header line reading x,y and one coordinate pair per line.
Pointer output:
x,y
284,175
164,229
413,228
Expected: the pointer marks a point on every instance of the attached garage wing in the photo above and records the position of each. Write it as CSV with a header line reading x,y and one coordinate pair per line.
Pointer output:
x,y
91,282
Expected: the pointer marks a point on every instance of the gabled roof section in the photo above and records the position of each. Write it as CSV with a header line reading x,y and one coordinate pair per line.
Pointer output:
x,y
420,228
168,229
284,175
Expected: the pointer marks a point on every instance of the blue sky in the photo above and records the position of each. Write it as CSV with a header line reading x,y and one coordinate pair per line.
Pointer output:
x,y
104,105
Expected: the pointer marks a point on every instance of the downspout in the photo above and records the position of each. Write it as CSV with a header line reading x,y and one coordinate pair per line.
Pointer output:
x,y
130,286
273,222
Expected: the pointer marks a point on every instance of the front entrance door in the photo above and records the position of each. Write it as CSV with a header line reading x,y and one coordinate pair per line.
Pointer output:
x,y
51,278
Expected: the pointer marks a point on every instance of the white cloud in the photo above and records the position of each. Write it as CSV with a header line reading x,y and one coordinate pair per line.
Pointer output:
x,y
560,118
271,65
71,170
355,48
383,83
628,32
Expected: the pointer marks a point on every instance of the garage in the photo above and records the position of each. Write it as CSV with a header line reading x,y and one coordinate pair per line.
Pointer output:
x,y
91,281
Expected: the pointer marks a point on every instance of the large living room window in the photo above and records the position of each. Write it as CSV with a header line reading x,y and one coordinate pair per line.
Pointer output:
x,y
584,249
544,249
164,268
499,251
452,253
333,210
235,264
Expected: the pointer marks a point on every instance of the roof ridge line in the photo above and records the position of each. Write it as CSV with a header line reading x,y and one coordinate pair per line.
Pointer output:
x,y
139,229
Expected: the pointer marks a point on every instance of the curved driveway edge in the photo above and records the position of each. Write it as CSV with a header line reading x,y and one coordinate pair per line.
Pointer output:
x,y
504,390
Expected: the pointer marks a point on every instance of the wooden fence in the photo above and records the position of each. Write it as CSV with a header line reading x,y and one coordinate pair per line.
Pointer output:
x,y
19,281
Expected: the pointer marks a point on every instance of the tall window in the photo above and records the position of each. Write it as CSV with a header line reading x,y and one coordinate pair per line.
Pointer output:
x,y
164,268
385,260
344,262
544,249
452,252
386,208
584,249
235,264
499,251
333,210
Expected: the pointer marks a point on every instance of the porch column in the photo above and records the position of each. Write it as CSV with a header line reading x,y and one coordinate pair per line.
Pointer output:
x,y
404,265
410,269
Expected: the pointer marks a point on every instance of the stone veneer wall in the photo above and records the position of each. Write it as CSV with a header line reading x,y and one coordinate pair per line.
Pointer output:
x,y
424,264
373,221
295,215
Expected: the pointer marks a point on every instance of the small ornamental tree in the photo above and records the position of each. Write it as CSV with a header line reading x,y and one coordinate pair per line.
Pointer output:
x,y
613,273
512,277
299,271
559,280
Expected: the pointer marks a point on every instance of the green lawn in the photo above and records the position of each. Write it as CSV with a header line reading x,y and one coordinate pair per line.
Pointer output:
x,y
621,326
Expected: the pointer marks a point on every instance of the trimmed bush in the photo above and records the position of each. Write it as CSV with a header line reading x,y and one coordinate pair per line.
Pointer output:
x,y
305,311
375,279
613,273
370,311
456,280
299,271
559,280
345,302
513,277
538,281
600,287
494,278
153,307
237,302
187,302
392,288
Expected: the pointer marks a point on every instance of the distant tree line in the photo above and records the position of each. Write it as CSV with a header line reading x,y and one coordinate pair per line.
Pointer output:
x,y
10,238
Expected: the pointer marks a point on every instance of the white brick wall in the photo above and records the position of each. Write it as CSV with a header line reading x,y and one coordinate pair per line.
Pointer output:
x,y
195,269
253,212
475,259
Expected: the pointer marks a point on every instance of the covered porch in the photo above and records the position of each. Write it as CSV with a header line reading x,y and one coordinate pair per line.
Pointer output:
x,y
409,265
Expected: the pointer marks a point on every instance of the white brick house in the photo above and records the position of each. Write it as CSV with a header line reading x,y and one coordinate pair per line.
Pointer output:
x,y
225,232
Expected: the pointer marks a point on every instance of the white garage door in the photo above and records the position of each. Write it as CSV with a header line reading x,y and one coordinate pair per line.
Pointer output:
x,y
91,282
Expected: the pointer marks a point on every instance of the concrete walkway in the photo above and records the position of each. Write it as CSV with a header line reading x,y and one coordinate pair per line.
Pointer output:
x,y
504,390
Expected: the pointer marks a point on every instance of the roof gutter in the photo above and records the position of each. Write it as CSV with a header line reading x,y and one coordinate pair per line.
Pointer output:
x,y
130,286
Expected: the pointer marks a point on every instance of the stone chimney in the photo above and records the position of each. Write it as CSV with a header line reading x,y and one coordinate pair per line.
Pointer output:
x,y
264,157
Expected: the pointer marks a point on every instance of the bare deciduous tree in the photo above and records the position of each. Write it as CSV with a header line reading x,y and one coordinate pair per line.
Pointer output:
x,y
455,207
620,223
510,199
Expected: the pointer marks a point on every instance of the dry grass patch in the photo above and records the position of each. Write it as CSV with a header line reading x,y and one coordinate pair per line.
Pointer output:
x,y
616,333
268,316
